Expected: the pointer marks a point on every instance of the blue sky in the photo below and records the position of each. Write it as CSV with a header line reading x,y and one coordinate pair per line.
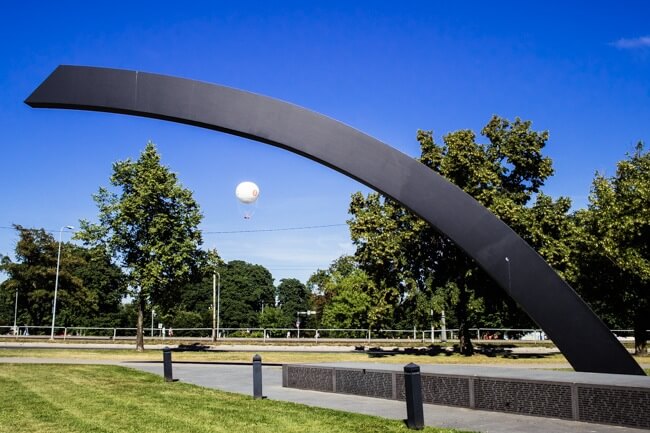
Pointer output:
x,y
579,70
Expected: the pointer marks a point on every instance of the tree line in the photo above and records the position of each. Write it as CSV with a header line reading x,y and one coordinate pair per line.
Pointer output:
x,y
145,251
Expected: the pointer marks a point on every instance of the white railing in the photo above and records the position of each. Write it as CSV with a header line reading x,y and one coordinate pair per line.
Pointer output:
x,y
285,334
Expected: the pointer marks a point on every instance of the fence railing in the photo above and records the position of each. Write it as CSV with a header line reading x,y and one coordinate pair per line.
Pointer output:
x,y
286,334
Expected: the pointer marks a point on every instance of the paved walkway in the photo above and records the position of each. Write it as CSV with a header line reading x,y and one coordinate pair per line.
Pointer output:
x,y
238,379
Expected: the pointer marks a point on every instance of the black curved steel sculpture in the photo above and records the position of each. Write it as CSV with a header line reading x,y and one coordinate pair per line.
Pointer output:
x,y
581,336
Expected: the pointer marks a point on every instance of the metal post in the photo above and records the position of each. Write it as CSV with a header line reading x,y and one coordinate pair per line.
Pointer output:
x,y
218,301
153,314
56,279
215,305
15,329
167,364
298,323
257,377
443,325
413,388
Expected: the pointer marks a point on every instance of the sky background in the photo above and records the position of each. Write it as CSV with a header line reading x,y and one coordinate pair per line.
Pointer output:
x,y
580,70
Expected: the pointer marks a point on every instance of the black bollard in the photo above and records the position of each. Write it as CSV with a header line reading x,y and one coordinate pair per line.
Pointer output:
x,y
167,364
414,408
257,377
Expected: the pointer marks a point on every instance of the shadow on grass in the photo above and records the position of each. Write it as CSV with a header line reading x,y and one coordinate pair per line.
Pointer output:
x,y
378,352
194,347
486,349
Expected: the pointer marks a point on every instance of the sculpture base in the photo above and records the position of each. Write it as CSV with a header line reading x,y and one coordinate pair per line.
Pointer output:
x,y
589,397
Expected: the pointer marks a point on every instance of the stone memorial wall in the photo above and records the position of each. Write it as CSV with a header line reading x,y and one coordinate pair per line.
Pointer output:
x,y
588,402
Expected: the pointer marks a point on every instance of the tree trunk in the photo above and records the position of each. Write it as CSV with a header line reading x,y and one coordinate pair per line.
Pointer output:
x,y
641,324
139,336
465,343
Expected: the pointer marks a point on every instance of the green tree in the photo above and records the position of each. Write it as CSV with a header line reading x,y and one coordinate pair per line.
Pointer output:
x,y
245,290
273,317
293,296
406,257
102,278
350,306
345,296
90,287
616,253
184,319
196,295
150,226
33,274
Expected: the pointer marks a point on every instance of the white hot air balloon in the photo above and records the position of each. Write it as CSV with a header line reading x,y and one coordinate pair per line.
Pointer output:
x,y
247,194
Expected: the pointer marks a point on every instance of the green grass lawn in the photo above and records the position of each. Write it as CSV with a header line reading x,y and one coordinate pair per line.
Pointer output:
x,y
92,398
278,357
553,361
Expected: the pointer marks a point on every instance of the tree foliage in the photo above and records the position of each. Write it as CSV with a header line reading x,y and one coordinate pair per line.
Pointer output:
x,y
150,226
245,289
273,317
293,297
196,294
410,260
402,270
90,288
347,297
615,255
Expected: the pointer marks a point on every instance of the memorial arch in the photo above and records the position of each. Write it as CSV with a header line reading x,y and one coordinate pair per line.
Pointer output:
x,y
581,336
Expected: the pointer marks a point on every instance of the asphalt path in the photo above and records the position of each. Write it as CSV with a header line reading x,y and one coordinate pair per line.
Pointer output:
x,y
239,379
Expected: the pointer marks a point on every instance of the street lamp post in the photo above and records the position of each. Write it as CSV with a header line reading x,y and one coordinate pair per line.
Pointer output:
x,y
153,314
443,325
216,301
16,314
302,313
56,279
298,322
